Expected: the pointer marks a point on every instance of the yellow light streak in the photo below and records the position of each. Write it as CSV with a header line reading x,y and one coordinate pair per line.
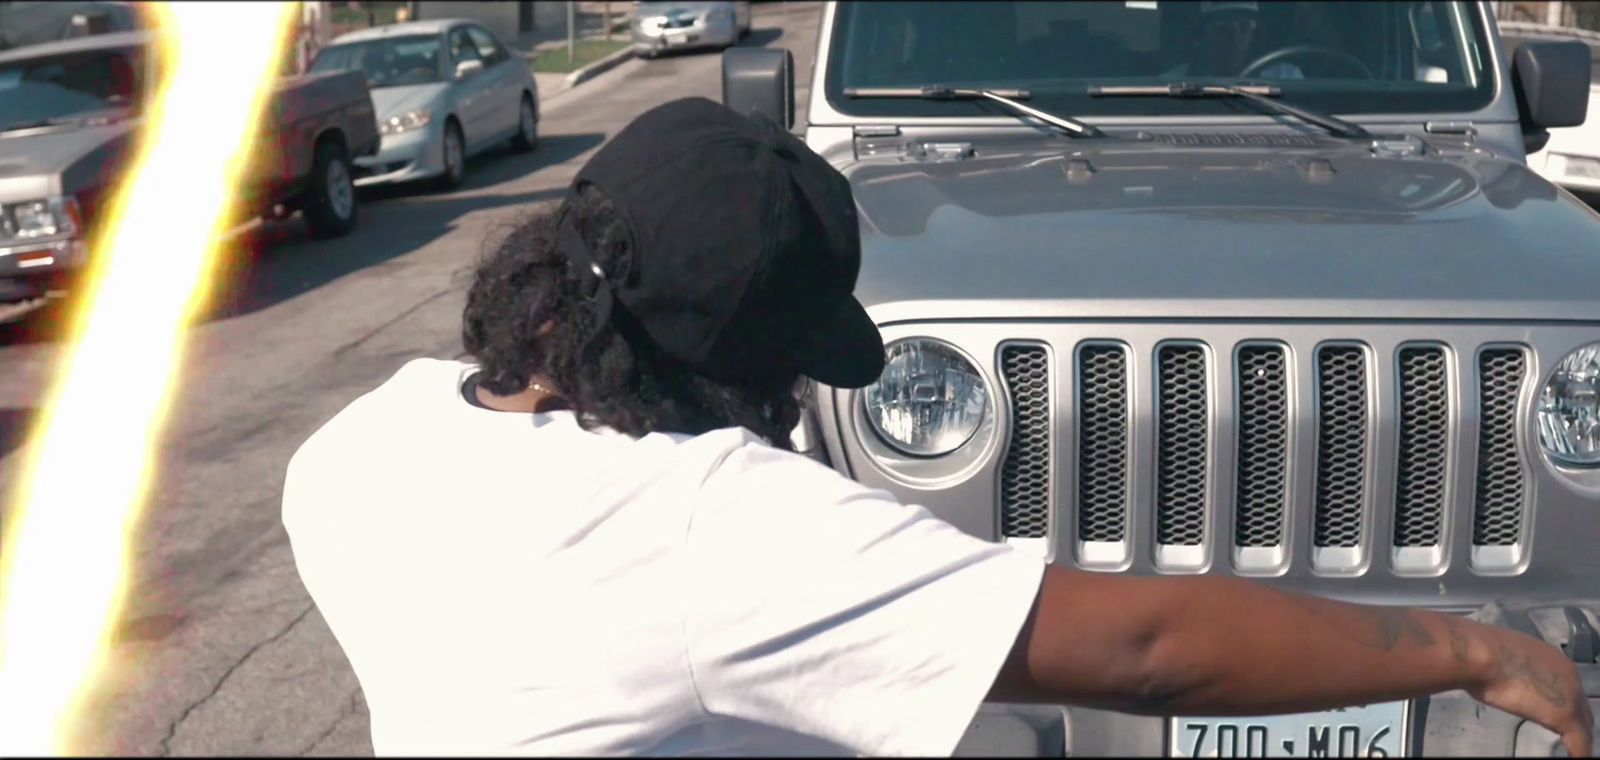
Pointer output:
x,y
65,558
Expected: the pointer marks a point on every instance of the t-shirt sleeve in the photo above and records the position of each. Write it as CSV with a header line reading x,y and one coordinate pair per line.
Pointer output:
x,y
818,605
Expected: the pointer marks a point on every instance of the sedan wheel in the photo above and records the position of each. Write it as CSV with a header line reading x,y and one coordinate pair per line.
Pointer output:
x,y
455,158
527,128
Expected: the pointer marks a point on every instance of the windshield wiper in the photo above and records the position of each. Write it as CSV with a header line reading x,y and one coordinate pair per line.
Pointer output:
x,y
1007,97
1261,94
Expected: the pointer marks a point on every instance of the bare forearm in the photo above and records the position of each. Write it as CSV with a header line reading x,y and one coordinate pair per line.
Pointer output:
x,y
1223,646
1232,647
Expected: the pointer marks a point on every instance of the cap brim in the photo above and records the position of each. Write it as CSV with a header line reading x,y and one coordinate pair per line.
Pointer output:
x,y
846,351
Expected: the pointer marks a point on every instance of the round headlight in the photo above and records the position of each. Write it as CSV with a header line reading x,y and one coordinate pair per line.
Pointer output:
x,y
1569,409
929,401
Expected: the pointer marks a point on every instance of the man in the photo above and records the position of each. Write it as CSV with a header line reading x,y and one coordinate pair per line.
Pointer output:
x,y
1227,39
595,539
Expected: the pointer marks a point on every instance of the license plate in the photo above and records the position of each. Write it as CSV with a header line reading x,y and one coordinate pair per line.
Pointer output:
x,y
1370,731
681,38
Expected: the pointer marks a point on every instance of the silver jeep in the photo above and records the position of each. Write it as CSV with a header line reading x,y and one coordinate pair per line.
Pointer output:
x,y
1255,289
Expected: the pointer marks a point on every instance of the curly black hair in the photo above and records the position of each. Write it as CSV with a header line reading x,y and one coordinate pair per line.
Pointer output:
x,y
617,379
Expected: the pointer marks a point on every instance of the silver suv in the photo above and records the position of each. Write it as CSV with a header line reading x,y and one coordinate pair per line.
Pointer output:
x,y
1233,288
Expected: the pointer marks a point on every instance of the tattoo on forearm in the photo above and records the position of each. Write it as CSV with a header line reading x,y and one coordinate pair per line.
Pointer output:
x,y
1510,665
1395,624
1458,641
1382,628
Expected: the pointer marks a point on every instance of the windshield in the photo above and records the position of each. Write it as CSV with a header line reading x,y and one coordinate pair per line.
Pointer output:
x,y
387,62
94,83
1337,57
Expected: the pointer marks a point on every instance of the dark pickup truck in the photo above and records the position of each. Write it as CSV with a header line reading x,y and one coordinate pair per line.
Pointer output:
x,y
69,113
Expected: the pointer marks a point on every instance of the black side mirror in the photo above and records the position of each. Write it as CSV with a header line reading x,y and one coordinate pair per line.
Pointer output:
x,y
760,80
1551,80
1551,83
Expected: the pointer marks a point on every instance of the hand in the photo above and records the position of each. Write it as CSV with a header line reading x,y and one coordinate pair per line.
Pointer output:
x,y
1533,680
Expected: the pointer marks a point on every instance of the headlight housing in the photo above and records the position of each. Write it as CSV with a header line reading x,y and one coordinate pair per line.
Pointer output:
x,y
1569,409
41,219
930,399
409,121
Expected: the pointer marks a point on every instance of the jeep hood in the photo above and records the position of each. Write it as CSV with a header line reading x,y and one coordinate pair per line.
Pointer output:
x,y
1133,230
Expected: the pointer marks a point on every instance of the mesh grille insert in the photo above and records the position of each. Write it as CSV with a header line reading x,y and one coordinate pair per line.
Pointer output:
x,y
1263,446
1497,507
1341,444
1181,443
1102,443
1025,475
1424,446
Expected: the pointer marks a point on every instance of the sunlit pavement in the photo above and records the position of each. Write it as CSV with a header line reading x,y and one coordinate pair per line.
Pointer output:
x,y
221,652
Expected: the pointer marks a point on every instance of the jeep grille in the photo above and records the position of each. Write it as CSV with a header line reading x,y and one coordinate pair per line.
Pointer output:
x,y
1343,454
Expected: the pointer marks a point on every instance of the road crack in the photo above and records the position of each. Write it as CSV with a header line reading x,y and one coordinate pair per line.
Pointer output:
x,y
172,730
351,705
346,348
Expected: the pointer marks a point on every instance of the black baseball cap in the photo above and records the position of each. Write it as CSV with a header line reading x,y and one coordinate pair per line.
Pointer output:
x,y
745,247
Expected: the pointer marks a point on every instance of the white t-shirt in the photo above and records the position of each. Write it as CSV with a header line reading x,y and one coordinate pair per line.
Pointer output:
x,y
511,584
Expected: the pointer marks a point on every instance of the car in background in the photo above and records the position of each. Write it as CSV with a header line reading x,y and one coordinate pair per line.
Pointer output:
x,y
444,89
1571,158
661,26
32,23
70,112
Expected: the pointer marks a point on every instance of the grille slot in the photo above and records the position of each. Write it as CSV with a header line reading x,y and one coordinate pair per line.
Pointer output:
x,y
1025,474
1182,444
1102,443
1424,447
1498,501
1341,445
1263,446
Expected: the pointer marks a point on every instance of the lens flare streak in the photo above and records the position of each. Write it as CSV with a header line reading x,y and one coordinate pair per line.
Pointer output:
x,y
64,564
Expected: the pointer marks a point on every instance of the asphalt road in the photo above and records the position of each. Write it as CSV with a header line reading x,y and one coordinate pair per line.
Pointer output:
x,y
221,651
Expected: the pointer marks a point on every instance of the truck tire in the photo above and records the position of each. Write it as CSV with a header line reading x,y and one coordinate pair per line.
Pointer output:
x,y
331,208
527,137
455,161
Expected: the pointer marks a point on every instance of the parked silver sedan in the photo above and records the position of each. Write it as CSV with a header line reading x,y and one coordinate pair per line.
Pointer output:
x,y
444,90
662,26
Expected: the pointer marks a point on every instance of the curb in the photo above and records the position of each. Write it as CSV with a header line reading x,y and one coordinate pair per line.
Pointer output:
x,y
597,68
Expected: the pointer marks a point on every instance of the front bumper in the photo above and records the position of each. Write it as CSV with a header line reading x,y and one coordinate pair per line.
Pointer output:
x,y
651,40
406,157
28,270
1450,724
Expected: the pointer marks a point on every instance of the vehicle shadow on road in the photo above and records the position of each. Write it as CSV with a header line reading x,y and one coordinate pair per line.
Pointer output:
x,y
44,324
279,261
498,165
